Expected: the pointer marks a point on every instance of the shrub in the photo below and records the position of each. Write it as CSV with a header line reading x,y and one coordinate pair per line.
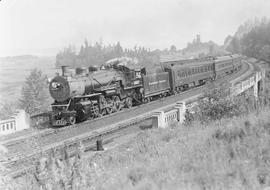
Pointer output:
x,y
215,104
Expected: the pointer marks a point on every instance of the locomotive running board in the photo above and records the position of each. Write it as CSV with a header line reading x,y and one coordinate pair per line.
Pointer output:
x,y
130,87
88,96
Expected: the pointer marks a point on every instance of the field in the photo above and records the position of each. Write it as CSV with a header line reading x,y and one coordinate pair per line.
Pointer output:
x,y
14,70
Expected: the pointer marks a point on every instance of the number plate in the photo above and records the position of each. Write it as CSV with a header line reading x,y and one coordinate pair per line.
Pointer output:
x,y
59,122
136,82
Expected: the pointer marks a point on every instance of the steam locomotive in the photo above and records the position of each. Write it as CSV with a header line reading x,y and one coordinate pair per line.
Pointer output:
x,y
90,93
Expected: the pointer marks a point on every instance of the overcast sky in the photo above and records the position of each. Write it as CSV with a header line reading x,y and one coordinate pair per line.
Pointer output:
x,y
44,27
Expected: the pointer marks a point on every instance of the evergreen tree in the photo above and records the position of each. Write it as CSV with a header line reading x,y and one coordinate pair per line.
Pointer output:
x,y
173,48
7,109
97,54
234,46
252,39
35,93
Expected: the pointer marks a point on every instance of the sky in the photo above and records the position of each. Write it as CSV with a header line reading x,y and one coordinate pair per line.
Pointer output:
x,y
43,27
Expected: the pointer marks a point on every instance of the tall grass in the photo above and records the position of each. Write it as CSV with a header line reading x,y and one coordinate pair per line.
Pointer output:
x,y
226,154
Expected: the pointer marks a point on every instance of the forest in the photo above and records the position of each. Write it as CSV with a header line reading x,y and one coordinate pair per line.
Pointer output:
x,y
98,53
251,39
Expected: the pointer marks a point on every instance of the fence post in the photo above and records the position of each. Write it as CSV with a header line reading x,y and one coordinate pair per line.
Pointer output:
x,y
158,119
99,145
255,87
181,107
178,108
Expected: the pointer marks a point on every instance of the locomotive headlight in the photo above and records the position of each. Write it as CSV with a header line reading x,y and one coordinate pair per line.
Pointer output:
x,y
56,85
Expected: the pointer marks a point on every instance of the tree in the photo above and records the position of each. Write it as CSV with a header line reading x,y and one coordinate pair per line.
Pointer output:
x,y
118,50
211,49
228,39
35,93
66,57
215,105
98,53
173,48
252,39
7,109
234,46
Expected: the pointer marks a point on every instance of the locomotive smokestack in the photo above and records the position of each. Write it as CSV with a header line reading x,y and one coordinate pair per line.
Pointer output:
x,y
65,70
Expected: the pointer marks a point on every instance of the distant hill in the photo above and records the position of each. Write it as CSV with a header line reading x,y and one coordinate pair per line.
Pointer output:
x,y
31,59
19,58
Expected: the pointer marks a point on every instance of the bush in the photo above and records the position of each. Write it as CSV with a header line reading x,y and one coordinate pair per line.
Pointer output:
x,y
215,105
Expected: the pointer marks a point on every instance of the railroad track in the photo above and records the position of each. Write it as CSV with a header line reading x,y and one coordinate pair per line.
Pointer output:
x,y
88,144
25,151
45,132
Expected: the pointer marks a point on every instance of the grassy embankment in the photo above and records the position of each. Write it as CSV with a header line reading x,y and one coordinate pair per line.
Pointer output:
x,y
228,154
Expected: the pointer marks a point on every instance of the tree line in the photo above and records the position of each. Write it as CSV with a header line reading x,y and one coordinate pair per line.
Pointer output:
x,y
252,39
98,53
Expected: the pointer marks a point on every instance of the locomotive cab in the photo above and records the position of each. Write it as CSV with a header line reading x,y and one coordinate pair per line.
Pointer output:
x,y
128,68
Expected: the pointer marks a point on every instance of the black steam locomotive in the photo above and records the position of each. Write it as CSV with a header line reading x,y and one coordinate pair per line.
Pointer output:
x,y
91,93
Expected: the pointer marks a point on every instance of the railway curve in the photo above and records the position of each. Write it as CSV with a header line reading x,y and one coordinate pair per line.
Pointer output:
x,y
24,151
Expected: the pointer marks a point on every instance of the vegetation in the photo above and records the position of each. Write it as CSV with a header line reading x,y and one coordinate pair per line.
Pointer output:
x,y
35,94
7,109
97,54
198,49
251,39
229,154
34,99
216,104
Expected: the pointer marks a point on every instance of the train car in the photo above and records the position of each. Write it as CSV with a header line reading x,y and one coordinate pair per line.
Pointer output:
x,y
224,65
190,73
155,84
237,61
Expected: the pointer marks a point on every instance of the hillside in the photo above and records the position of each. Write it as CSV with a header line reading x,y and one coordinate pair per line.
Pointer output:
x,y
231,154
242,30
251,39
228,154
